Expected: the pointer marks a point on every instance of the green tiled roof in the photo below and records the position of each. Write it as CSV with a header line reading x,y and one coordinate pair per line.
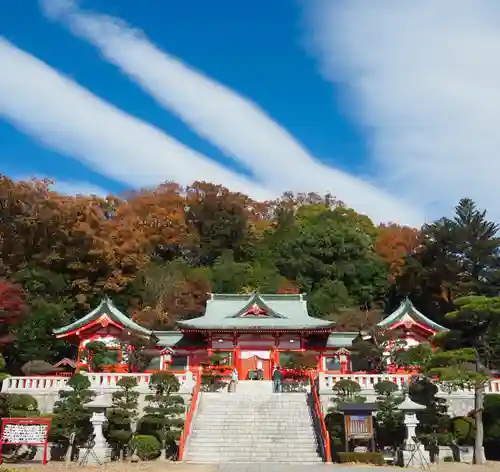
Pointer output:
x,y
106,307
229,311
407,308
168,338
341,339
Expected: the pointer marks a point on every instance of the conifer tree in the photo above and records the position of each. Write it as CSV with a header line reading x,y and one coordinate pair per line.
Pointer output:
x,y
71,419
123,413
164,414
389,420
461,362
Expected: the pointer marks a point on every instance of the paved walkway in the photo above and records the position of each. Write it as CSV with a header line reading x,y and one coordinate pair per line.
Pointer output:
x,y
270,467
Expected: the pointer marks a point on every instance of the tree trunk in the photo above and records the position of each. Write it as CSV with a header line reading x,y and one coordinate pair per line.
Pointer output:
x,y
479,457
479,389
71,446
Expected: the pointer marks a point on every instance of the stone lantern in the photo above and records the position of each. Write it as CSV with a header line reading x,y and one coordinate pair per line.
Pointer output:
x,y
413,453
98,406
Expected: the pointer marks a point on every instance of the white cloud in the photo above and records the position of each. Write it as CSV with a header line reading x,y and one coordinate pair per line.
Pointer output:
x,y
67,187
68,118
423,78
74,187
235,124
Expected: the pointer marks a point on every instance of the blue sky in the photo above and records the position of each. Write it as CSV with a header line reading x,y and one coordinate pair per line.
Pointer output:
x,y
325,76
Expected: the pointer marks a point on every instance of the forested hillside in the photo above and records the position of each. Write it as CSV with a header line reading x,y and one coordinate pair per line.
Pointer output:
x,y
158,252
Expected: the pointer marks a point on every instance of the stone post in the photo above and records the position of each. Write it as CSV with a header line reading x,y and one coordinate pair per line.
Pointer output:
x,y
101,449
414,455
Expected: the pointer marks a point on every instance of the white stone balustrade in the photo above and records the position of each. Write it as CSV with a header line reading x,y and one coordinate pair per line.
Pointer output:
x,y
367,382
460,401
100,382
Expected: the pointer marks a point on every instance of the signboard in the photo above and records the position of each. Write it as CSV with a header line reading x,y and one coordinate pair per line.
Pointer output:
x,y
29,431
358,427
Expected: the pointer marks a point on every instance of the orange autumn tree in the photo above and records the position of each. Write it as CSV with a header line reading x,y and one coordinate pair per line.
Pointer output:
x,y
159,214
394,243
104,248
29,226
12,310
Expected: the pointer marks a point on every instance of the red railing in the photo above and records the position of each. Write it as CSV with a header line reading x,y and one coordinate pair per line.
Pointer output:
x,y
189,417
325,435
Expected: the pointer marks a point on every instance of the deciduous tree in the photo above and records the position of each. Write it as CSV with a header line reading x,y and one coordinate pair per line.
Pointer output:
x,y
12,310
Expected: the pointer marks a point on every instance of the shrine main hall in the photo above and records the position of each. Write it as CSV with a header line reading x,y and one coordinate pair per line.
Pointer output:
x,y
252,332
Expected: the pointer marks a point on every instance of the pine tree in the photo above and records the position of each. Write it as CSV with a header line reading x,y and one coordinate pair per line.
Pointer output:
x,y
71,419
389,420
123,413
163,415
461,362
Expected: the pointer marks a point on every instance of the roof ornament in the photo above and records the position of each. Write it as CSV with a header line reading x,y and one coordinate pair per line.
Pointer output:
x,y
256,310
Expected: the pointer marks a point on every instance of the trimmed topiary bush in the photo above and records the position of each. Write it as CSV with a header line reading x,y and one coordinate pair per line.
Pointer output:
x,y
463,430
21,405
375,458
146,447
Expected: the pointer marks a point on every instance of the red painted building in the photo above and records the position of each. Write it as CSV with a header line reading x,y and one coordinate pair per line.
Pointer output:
x,y
251,332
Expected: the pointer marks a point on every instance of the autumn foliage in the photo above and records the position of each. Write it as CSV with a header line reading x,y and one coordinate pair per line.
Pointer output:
x,y
158,252
12,309
394,243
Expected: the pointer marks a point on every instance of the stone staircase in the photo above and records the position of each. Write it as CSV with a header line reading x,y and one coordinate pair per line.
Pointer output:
x,y
253,425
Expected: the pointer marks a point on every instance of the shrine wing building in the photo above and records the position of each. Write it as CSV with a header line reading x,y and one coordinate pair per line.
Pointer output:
x,y
250,332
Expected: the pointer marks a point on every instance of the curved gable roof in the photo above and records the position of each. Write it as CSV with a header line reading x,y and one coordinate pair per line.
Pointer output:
x,y
279,312
406,308
105,308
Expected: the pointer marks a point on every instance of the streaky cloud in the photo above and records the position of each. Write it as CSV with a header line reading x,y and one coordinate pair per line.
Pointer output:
x,y
235,124
64,116
422,78
70,187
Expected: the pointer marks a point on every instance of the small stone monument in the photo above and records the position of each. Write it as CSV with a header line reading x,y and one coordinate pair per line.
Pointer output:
x,y
414,453
101,449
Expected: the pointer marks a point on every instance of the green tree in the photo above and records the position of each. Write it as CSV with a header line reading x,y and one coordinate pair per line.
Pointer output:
x,y
229,276
456,257
35,336
373,347
220,218
464,365
434,427
71,421
389,420
123,413
348,391
332,245
163,414
98,355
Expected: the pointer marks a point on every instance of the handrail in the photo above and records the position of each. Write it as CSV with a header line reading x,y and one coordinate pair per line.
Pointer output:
x,y
325,435
189,417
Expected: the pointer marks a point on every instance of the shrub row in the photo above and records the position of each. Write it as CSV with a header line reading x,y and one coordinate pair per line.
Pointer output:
x,y
361,457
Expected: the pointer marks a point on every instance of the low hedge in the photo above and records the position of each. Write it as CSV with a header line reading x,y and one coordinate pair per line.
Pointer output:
x,y
362,457
146,447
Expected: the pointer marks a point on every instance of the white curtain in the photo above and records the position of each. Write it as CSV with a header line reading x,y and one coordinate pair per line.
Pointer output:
x,y
259,354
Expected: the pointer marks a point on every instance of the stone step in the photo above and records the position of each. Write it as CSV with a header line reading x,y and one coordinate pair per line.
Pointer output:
x,y
262,447
235,426
249,407
254,403
253,446
271,419
253,425
246,460
297,422
282,458
223,439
